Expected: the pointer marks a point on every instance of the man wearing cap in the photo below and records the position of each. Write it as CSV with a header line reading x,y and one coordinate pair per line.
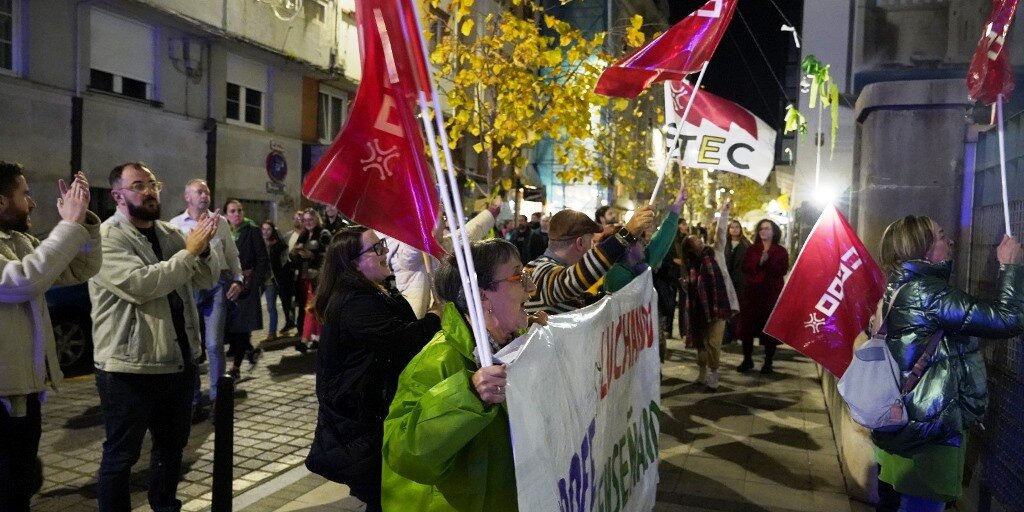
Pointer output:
x,y
572,263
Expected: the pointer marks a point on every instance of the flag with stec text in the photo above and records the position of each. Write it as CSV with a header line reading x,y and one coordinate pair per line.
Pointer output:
x,y
681,50
718,134
830,295
376,172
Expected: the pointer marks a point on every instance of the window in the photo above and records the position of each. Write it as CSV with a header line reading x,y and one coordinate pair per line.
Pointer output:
x,y
8,34
120,56
246,96
245,105
332,110
315,10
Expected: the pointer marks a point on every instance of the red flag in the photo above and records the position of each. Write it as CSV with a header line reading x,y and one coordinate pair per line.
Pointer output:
x,y
681,50
375,172
830,296
990,74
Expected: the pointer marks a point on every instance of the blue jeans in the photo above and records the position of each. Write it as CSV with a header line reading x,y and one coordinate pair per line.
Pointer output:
x,y
212,306
916,504
270,294
20,472
131,405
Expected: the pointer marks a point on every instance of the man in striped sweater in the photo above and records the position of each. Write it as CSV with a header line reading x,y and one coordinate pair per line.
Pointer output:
x,y
573,263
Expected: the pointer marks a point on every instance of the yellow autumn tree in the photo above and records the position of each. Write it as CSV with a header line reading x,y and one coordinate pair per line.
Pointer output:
x,y
515,77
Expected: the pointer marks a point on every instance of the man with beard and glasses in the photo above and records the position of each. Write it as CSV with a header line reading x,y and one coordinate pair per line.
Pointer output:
x,y
212,303
29,365
146,336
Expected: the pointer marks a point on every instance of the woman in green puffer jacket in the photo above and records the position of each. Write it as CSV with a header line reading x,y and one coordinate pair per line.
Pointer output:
x,y
924,461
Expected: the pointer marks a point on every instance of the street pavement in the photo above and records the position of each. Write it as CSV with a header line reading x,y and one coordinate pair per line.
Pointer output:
x,y
761,443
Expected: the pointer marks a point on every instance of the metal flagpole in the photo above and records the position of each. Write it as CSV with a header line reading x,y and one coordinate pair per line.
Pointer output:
x,y
453,206
1002,162
679,134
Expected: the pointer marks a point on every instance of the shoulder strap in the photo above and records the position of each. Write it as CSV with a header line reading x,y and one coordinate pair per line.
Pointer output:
x,y
883,328
922,363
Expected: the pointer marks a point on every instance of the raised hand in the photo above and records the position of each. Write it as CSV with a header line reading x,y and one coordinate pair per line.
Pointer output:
x,y
641,221
1009,251
198,240
73,202
681,197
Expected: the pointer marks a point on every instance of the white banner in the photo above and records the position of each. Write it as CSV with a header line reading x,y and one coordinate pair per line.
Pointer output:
x,y
584,405
718,134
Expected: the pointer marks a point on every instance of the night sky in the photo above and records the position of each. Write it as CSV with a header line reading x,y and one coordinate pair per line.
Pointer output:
x,y
737,71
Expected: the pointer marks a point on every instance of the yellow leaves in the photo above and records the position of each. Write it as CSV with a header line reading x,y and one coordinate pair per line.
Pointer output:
x,y
478,148
467,27
506,183
552,57
634,35
620,104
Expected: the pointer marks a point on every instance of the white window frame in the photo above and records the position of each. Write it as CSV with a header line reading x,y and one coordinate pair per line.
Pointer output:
x,y
243,94
249,75
16,43
324,8
323,118
119,66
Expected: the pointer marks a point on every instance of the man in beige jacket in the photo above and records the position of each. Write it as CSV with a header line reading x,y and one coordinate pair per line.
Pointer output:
x,y
28,355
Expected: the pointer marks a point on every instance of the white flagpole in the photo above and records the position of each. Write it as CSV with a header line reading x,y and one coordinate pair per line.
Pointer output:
x,y
1002,162
453,207
679,134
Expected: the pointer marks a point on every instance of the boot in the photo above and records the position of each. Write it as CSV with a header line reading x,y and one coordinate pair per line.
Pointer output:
x,y
711,382
748,357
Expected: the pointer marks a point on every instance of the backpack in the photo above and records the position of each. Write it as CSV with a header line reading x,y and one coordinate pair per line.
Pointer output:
x,y
871,385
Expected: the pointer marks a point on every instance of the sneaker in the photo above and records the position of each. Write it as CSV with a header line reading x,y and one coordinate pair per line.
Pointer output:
x,y
235,374
253,356
301,346
712,380
287,327
745,366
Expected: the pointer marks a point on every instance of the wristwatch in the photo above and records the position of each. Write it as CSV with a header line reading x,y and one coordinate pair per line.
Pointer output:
x,y
625,237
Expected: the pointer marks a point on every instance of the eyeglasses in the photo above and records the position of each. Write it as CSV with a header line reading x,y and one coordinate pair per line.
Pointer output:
x,y
522,277
380,248
139,187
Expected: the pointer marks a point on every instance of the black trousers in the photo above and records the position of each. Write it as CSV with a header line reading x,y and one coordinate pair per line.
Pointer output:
x,y
133,404
21,472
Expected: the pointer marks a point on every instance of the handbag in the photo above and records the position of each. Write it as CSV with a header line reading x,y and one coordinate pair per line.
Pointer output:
x,y
871,385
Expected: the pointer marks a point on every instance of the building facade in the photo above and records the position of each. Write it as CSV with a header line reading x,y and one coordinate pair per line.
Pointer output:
x,y
239,92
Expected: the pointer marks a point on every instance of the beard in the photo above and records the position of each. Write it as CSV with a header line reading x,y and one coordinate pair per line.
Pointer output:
x,y
141,212
15,222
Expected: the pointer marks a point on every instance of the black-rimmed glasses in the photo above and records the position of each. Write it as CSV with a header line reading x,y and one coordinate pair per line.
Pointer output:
x,y
380,248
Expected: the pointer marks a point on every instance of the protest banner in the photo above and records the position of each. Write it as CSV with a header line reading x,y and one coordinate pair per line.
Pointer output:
x,y
584,405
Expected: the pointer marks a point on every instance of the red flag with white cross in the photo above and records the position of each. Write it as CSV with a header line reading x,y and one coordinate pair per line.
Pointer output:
x,y
376,172
830,295
990,74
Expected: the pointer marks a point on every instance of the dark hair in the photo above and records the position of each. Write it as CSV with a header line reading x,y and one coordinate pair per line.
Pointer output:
x,y
115,174
274,234
691,255
776,231
600,213
9,173
909,238
339,277
488,255
230,200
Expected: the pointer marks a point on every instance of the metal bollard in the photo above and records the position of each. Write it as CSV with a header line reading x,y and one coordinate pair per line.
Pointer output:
x,y
223,444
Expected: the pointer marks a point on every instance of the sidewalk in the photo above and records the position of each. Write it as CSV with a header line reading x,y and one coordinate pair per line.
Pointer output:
x,y
760,443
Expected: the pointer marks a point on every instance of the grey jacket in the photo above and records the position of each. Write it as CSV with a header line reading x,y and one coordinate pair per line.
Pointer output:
x,y
132,327
28,267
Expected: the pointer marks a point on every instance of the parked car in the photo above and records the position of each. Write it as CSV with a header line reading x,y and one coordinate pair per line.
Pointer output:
x,y
72,327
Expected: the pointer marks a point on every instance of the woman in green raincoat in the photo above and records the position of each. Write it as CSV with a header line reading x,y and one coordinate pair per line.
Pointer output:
x,y
446,437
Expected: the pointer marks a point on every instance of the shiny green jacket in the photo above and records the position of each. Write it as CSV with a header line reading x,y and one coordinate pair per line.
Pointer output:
x,y
952,394
444,449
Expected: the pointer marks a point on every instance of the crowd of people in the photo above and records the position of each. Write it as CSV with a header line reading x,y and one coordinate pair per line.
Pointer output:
x,y
407,417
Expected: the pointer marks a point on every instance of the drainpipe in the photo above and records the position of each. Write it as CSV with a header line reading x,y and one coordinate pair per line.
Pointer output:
x,y
77,110
210,126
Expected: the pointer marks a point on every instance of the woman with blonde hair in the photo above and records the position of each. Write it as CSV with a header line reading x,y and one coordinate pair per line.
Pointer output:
x,y
924,461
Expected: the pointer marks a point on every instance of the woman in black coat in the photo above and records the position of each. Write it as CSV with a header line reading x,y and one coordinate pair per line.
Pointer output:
x,y
369,335
245,311
735,250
